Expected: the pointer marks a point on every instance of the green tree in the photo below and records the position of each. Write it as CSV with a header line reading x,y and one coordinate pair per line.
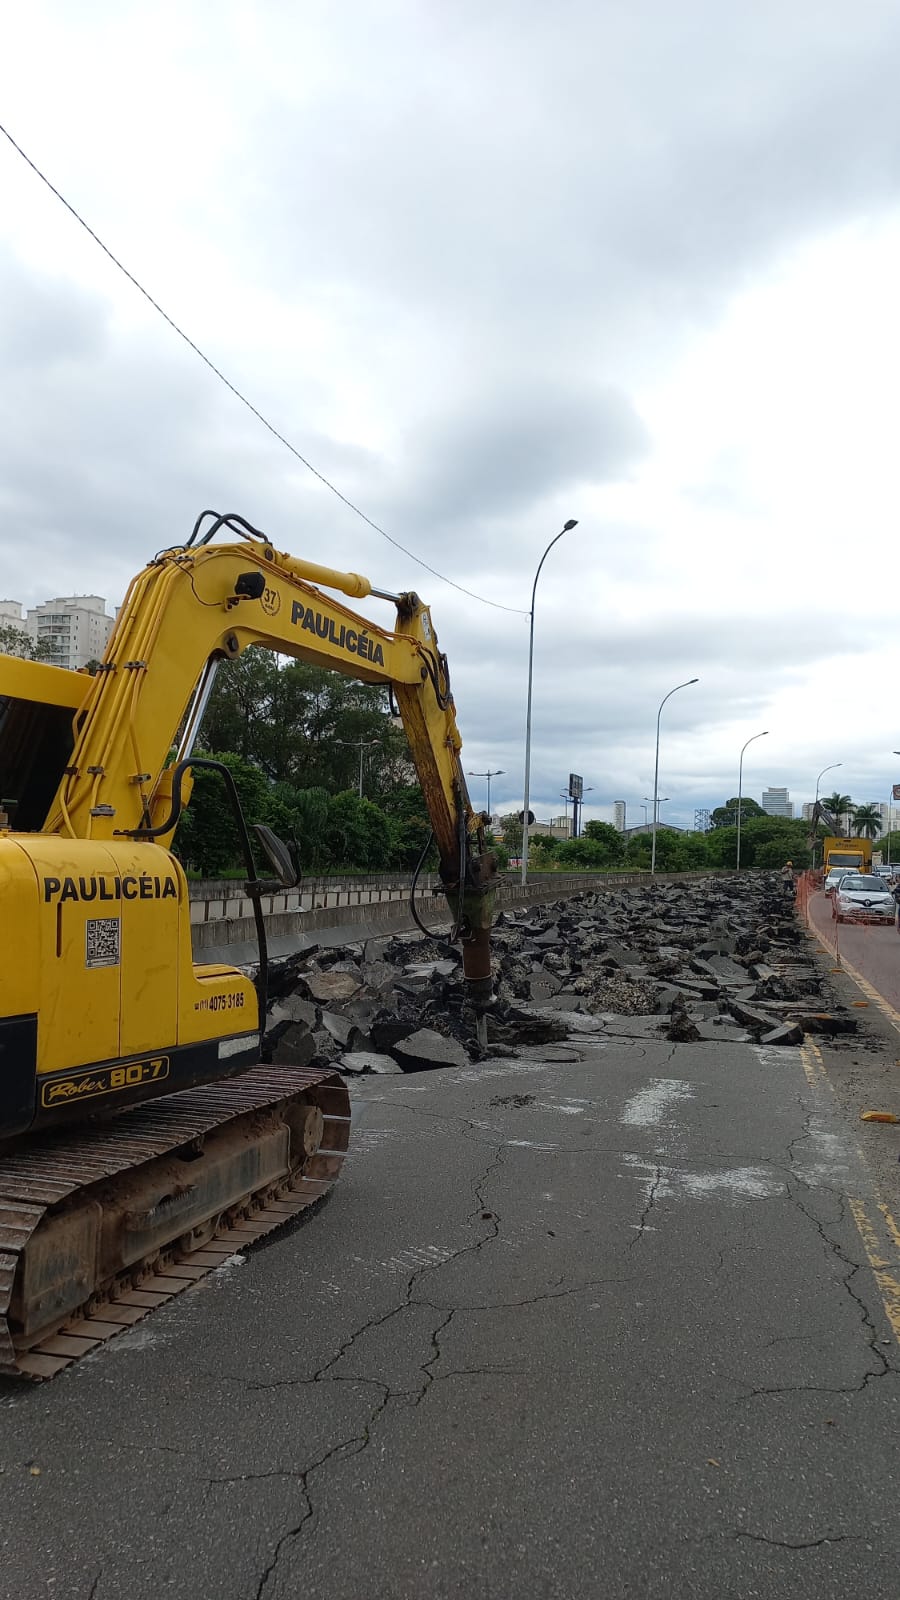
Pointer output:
x,y
841,807
867,821
207,837
691,853
491,842
511,829
357,833
721,847
16,642
302,725
543,850
300,817
584,853
669,849
771,841
890,847
410,827
726,816
603,833
638,851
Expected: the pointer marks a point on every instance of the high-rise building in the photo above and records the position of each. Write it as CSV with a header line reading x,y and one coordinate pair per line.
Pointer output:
x,y
73,629
777,803
11,615
619,815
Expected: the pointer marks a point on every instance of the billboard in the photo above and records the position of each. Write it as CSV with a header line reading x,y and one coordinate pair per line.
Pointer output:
x,y
576,786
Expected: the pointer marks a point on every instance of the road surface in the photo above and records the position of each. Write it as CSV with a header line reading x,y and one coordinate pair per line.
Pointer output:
x,y
873,951
590,1327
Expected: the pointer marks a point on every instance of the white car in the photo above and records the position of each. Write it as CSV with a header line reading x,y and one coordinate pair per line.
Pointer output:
x,y
862,897
834,877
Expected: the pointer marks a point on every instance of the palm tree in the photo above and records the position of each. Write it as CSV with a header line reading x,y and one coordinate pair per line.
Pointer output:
x,y
840,805
867,821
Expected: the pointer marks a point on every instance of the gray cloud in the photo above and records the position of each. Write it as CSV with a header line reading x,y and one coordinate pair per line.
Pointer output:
x,y
472,472
516,216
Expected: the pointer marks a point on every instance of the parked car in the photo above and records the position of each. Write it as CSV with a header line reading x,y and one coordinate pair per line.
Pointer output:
x,y
834,877
862,897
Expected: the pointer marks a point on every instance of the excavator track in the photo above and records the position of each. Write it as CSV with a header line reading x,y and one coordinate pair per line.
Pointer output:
x,y
100,1226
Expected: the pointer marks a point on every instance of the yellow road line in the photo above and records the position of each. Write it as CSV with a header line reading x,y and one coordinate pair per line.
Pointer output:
x,y
891,1225
884,1006
887,1281
813,1063
888,1286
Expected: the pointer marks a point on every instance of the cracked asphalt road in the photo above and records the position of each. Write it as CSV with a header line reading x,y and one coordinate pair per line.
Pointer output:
x,y
599,1327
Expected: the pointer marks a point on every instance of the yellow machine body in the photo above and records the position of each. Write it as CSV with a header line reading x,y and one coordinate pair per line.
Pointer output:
x,y
99,985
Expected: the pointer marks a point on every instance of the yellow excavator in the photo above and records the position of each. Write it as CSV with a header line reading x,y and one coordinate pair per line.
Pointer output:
x,y
104,1215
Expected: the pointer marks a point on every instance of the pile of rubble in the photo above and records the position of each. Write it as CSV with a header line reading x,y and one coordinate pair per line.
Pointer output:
x,y
704,961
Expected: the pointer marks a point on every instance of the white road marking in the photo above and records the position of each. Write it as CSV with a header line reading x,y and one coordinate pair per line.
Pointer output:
x,y
734,1183
651,1107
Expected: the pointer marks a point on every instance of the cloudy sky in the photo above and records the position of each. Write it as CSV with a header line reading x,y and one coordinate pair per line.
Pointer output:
x,y
489,268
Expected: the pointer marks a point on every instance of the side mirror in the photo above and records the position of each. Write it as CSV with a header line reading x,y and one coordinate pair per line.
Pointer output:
x,y
278,856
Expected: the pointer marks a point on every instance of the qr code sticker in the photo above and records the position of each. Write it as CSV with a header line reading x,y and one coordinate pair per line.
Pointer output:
x,y
101,942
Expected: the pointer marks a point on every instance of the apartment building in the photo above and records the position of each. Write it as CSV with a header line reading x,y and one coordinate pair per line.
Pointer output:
x,y
777,803
73,629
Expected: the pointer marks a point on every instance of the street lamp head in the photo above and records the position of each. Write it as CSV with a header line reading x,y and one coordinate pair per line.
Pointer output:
x,y
693,680
572,523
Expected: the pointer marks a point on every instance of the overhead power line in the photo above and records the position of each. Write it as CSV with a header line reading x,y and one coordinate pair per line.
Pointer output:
x,y
357,510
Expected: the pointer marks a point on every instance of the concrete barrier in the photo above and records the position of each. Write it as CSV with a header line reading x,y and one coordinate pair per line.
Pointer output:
x,y
330,911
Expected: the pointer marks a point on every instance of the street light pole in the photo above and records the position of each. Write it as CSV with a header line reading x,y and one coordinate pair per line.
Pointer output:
x,y
656,766
832,768
737,863
661,801
572,523
497,773
360,745
889,820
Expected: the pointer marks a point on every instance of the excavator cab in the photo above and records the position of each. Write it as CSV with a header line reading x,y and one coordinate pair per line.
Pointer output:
x,y
38,706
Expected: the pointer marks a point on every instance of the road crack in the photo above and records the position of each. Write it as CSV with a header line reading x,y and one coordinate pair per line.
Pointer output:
x,y
642,1221
799,1544
356,1443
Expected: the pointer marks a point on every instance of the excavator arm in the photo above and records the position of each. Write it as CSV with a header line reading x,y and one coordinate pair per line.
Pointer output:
x,y
820,814
192,608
